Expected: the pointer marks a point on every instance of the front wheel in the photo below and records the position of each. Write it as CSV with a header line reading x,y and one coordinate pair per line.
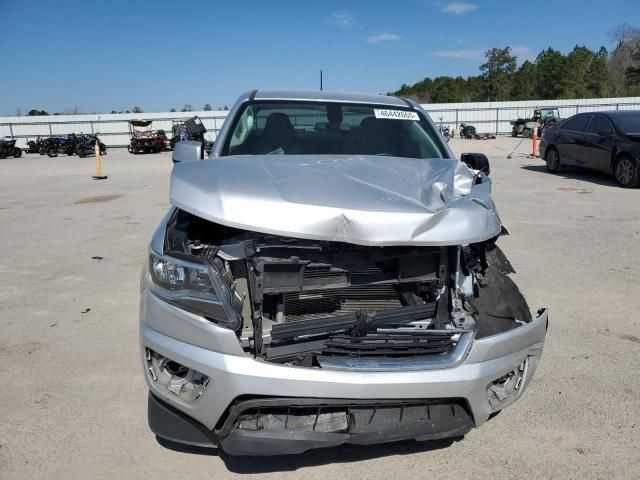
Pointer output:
x,y
17,153
553,160
626,172
52,152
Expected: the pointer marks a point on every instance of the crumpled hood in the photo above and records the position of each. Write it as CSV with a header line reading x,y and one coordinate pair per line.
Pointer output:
x,y
365,200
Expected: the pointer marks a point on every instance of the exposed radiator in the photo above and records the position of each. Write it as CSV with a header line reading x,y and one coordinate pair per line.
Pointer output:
x,y
313,304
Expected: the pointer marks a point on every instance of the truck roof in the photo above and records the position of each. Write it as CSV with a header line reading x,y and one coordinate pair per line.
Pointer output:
x,y
326,96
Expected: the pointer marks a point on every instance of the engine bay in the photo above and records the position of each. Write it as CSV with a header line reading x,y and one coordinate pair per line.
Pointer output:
x,y
311,303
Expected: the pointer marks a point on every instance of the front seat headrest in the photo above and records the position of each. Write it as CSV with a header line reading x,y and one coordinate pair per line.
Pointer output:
x,y
278,130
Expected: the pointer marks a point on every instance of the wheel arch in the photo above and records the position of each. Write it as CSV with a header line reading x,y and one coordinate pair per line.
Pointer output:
x,y
552,146
621,154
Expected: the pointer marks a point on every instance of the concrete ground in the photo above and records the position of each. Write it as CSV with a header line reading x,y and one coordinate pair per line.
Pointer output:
x,y
73,396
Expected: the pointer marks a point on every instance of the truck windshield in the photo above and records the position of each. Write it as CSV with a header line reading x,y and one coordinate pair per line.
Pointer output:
x,y
313,128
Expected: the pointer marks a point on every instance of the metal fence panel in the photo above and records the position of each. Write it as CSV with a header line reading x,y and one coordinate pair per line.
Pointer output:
x,y
487,117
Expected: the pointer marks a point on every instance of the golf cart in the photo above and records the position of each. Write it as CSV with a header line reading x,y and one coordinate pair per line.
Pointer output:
x,y
541,117
145,140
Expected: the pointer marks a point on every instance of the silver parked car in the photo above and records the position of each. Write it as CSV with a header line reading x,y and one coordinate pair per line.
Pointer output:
x,y
330,275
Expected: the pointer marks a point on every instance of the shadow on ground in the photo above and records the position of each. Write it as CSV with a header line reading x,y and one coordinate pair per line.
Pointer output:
x,y
576,174
312,458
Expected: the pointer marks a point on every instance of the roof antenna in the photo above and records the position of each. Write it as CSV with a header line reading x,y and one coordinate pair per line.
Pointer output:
x,y
320,79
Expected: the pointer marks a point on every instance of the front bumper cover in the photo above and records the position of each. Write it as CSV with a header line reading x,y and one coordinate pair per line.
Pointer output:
x,y
234,377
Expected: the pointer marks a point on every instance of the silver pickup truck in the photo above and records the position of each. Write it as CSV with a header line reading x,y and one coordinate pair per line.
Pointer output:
x,y
329,275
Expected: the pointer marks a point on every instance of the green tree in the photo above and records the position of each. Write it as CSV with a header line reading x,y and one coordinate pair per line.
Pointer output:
x,y
578,63
207,108
446,90
552,74
598,80
172,110
524,82
475,89
136,109
497,72
187,108
587,72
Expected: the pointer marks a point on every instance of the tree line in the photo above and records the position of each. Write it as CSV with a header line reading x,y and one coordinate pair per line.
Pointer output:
x,y
186,108
582,73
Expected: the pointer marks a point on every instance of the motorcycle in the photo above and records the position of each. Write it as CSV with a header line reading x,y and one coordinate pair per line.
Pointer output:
x,y
445,132
8,149
66,145
86,145
51,146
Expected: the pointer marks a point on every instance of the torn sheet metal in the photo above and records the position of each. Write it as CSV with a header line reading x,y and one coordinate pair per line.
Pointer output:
x,y
365,200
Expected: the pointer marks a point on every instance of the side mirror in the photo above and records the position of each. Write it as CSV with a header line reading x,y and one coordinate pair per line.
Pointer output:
x,y
606,133
477,161
187,151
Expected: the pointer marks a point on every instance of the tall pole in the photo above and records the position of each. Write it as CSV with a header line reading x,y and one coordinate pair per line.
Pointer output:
x,y
321,79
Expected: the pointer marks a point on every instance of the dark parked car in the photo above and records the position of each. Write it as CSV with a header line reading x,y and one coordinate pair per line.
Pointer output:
x,y
604,141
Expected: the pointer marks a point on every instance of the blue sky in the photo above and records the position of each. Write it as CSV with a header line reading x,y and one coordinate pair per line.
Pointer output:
x,y
112,55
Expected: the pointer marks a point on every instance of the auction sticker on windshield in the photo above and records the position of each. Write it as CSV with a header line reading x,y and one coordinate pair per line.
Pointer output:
x,y
395,114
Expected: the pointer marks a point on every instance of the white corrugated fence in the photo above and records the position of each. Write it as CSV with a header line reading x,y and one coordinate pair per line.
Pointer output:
x,y
487,117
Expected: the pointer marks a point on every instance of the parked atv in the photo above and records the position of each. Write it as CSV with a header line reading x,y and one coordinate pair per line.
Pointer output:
x,y
191,129
467,131
8,149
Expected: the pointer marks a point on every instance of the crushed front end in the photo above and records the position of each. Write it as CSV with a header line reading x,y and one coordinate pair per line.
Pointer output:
x,y
267,344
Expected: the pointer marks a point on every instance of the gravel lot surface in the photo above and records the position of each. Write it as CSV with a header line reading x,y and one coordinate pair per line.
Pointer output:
x,y
74,399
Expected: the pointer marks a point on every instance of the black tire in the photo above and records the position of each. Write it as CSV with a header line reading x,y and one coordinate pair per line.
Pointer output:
x,y
552,159
52,152
17,153
42,151
514,132
626,172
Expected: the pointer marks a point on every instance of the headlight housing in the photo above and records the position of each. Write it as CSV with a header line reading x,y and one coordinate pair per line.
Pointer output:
x,y
192,286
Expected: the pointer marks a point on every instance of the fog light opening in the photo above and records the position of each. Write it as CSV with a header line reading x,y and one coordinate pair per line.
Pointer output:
x,y
504,390
167,374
